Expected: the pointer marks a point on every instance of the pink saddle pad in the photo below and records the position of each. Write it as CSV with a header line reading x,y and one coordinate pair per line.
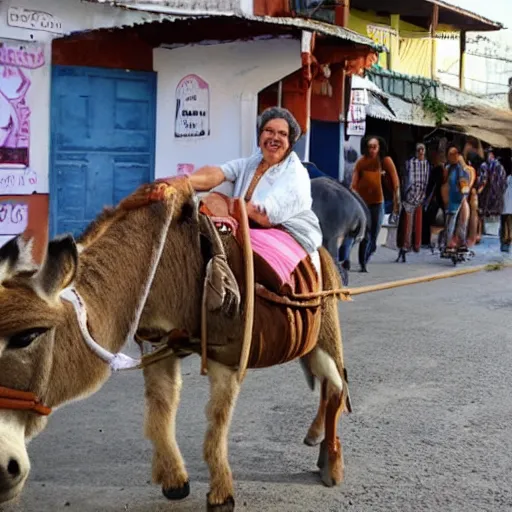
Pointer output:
x,y
279,249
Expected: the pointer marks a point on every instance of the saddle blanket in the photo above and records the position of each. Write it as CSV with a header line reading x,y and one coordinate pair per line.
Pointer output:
x,y
279,249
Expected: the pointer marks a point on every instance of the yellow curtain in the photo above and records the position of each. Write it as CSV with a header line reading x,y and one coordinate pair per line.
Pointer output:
x,y
415,55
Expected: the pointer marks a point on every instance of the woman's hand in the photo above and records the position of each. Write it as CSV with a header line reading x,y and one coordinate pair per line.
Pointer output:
x,y
258,214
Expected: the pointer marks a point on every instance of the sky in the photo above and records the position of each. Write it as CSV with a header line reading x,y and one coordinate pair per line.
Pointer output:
x,y
488,77
496,10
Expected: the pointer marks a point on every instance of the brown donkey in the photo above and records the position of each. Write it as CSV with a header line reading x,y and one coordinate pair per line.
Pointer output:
x,y
138,269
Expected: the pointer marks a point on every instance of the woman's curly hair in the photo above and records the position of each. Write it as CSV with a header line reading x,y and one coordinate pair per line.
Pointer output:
x,y
280,113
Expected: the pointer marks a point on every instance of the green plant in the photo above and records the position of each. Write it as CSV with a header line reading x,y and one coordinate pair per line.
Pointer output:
x,y
434,106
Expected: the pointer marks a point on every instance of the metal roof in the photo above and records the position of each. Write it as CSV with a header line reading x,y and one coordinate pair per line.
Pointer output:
x,y
169,13
419,13
391,108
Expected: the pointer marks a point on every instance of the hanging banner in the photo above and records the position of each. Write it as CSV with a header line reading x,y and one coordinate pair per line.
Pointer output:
x,y
381,34
356,119
192,108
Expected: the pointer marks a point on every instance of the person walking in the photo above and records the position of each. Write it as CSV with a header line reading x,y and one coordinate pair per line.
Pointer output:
x,y
370,170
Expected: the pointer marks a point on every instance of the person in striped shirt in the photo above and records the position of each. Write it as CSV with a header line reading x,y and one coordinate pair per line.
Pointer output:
x,y
414,186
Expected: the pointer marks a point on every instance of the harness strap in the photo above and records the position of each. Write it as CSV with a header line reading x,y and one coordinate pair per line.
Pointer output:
x,y
22,401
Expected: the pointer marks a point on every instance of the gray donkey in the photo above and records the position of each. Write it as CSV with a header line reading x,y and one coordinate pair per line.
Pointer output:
x,y
344,219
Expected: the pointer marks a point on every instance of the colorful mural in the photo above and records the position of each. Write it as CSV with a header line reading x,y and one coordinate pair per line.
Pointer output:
x,y
16,63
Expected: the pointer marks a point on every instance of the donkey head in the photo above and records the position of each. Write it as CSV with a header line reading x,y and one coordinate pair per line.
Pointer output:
x,y
30,311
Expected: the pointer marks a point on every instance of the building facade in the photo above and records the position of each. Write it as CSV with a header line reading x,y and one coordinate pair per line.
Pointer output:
x,y
99,97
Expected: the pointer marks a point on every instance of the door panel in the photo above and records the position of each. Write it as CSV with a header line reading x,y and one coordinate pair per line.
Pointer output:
x,y
103,141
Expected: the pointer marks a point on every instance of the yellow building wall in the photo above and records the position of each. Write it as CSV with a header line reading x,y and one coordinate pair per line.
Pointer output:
x,y
410,52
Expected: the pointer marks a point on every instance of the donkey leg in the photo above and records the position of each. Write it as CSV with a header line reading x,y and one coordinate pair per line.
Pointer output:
x,y
316,431
330,460
163,385
224,389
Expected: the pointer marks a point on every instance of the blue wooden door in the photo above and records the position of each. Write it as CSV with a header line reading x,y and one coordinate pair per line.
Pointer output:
x,y
325,147
102,141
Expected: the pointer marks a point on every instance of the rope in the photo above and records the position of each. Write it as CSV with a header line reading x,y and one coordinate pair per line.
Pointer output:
x,y
346,293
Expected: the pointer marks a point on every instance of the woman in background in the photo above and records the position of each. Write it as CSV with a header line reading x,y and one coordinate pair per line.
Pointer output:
x,y
370,170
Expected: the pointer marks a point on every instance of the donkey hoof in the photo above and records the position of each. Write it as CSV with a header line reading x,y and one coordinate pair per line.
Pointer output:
x,y
177,493
310,440
332,468
227,506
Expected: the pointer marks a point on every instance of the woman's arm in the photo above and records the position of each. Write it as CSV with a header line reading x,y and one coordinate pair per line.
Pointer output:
x,y
390,169
356,175
206,178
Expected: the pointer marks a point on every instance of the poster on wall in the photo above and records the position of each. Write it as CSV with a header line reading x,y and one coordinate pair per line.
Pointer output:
x,y
192,108
16,63
356,119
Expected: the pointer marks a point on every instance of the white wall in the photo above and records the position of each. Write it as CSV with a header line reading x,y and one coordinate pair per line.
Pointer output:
x,y
235,72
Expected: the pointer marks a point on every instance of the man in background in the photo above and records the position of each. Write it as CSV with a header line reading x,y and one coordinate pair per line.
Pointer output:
x,y
414,186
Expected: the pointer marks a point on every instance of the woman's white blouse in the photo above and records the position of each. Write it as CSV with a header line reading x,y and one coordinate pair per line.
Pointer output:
x,y
284,191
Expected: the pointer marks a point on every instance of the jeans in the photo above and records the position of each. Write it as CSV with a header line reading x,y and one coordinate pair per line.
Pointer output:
x,y
369,244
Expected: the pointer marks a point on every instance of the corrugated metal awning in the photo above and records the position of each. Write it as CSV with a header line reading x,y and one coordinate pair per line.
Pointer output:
x,y
170,13
390,108
488,124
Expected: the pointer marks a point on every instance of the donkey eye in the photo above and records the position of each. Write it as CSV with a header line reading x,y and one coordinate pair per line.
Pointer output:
x,y
25,338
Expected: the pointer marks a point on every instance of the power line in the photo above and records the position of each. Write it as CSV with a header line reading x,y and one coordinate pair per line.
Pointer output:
x,y
476,80
491,57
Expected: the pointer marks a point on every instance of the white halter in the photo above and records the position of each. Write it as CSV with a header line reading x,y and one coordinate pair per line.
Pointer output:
x,y
117,361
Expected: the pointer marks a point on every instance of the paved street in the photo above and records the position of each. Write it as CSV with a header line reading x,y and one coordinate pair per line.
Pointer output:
x,y
431,428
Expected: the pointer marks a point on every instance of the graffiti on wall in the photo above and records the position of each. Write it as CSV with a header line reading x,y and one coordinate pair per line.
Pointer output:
x,y
13,218
16,63
192,108
18,181
33,20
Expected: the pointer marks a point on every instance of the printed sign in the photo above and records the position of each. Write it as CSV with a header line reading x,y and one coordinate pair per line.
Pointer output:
x,y
192,108
356,120
33,20
18,181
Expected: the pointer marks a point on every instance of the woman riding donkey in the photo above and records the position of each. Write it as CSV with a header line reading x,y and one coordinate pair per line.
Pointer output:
x,y
273,182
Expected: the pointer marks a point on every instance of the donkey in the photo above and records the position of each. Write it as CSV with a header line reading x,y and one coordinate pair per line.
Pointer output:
x,y
139,268
344,218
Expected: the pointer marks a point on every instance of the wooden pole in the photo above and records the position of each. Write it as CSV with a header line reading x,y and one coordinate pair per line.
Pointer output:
x,y
433,29
462,60
424,279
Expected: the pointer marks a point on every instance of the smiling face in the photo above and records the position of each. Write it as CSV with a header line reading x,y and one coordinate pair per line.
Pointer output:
x,y
275,141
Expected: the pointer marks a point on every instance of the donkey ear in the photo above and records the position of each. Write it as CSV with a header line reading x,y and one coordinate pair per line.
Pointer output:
x,y
16,257
59,267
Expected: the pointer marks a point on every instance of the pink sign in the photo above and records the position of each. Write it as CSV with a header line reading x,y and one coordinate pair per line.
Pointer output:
x,y
185,169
